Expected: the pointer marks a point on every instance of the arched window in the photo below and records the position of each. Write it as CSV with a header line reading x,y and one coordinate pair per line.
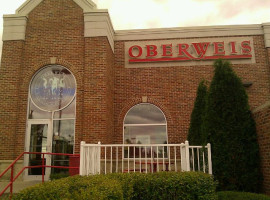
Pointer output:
x,y
145,123
51,116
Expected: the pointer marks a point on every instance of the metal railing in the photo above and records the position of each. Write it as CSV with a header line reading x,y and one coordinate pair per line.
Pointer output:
x,y
43,166
144,158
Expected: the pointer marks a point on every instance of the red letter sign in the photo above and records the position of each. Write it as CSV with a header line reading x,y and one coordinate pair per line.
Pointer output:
x,y
246,48
201,48
130,51
167,49
232,44
219,48
183,50
151,50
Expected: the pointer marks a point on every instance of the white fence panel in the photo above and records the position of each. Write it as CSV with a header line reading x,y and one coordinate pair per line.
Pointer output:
x,y
89,159
144,158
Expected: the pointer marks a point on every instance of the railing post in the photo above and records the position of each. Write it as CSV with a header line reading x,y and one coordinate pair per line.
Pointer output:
x,y
98,156
183,156
11,180
209,159
82,159
187,156
42,167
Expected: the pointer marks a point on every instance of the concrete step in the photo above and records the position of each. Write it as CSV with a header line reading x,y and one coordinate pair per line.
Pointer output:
x,y
17,185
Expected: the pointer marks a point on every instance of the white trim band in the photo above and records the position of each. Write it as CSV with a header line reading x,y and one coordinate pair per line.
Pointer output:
x,y
266,30
189,32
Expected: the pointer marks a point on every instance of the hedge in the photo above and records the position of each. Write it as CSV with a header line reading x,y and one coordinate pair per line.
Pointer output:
x,y
229,195
162,185
76,187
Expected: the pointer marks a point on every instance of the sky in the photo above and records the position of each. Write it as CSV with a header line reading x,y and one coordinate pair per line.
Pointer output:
x,y
142,14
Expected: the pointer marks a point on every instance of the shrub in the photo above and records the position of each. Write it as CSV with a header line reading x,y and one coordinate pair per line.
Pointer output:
x,y
76,187
241,196
162,185
195,133
232,132
171,185
127,182
58,176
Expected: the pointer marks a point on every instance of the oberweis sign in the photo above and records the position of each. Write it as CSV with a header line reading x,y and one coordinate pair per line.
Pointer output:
x,y
201,51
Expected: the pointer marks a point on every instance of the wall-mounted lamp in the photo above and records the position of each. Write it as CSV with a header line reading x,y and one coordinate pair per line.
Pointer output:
x,y
247,84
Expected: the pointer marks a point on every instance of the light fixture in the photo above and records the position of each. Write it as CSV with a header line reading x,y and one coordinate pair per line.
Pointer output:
x,y
247,84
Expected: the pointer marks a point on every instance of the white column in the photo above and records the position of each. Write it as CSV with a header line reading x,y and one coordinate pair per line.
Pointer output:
x,y
187,156
209,159
82,159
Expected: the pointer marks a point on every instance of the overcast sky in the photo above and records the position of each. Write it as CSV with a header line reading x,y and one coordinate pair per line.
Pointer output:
x,y
138,14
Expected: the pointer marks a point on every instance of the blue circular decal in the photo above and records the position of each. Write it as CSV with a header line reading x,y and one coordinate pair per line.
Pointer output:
x,y
53,88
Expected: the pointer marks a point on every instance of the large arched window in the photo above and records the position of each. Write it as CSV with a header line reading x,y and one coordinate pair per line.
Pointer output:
x,y
51,116
145,123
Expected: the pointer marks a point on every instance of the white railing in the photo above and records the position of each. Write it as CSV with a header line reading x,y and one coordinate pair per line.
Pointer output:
x,y
146,158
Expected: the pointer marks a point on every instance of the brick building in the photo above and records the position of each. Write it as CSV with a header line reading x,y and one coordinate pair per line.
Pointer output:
x,y
67,76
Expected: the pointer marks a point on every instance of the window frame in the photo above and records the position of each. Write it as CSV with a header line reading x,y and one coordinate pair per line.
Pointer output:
x,y
52,113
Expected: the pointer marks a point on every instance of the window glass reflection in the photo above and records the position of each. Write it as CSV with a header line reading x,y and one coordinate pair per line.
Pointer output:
x,y
145,135
145,114
38,143
36,113
63,142
63,136
68,112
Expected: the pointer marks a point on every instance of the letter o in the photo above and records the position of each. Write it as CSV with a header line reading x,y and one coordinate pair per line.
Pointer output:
x,y
130,51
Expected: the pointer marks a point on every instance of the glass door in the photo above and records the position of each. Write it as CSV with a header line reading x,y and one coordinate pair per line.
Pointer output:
x,y
39,139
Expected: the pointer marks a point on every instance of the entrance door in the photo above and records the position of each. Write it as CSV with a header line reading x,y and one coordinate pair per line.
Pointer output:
x,y
39,139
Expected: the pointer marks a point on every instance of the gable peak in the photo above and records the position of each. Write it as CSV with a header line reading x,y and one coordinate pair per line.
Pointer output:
x,y
29,5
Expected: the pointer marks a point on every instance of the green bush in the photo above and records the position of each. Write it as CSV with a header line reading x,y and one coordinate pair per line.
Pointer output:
x,y
241,196
162,185
127,182
171,185
232,132
76,187
58,176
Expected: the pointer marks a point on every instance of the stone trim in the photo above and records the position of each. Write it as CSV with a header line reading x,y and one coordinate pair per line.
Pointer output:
x,y
10,161
98,23
14,27
266,30
189,32
259,108
86,5
27,7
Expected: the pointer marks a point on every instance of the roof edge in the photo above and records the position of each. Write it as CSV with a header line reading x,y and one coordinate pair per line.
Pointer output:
x,y
29,5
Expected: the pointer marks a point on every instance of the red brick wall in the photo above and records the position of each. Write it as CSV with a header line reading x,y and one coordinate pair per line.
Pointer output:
x,y
55,28
262,117
98,91
9,83
173,89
